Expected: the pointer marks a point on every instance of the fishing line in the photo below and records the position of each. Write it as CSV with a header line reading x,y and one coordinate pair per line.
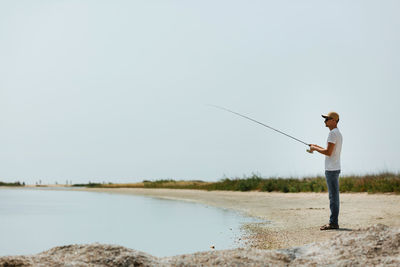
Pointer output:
x,y
263,124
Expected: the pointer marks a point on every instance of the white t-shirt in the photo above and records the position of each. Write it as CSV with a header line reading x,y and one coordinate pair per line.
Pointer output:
x,y
332,163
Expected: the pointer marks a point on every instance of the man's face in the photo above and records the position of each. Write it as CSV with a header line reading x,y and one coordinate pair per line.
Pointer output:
x,y
329,122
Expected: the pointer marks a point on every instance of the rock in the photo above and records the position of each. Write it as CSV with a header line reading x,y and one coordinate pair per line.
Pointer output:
x,y
377,245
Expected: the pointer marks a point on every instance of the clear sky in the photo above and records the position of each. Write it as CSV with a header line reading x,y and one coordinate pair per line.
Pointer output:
x,y
116,91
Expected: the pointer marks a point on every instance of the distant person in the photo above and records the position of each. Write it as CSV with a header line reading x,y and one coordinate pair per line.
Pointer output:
x,y
332,166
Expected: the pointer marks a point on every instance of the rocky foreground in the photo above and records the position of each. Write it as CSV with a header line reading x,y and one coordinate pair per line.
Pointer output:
x,y
378,245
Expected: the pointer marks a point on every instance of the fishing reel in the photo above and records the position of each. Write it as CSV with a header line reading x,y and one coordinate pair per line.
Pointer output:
x,y
309,151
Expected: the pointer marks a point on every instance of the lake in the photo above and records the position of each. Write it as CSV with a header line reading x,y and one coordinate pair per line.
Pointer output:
x,y
34,220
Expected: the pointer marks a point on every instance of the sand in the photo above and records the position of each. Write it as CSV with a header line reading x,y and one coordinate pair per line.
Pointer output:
x,y
291,219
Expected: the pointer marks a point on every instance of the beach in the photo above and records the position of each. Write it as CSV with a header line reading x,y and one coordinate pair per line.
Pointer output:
x,y
290,219
286,234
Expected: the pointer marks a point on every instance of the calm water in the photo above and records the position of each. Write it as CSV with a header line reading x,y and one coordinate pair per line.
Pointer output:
x,y
34,220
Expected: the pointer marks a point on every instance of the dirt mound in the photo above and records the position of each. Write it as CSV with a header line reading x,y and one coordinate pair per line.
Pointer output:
x,y
378,245
83,255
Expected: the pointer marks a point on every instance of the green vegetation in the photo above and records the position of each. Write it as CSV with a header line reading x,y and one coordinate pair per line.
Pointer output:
x,y
12,184
150,184
374,183
378,183
91,185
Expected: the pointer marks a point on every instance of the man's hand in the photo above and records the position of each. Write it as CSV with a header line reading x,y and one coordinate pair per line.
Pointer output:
x,y
314,147
326,151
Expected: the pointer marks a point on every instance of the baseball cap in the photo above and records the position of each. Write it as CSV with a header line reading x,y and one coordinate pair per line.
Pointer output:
x,y
332,115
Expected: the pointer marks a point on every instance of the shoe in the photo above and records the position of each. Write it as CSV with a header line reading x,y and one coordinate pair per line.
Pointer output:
x,y
329,227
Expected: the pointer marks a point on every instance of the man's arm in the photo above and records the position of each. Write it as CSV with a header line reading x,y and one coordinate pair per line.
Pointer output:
x,y
326,151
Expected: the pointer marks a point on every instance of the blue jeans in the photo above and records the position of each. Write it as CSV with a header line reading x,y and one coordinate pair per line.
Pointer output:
x,y
332,181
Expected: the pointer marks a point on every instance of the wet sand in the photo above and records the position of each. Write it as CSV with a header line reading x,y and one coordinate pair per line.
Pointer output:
x,y
292,219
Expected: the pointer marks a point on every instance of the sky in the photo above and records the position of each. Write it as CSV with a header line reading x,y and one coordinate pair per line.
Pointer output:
x,y
118,91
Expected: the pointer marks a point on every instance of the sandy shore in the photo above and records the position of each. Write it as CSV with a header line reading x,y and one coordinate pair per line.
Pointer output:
x,y
293,218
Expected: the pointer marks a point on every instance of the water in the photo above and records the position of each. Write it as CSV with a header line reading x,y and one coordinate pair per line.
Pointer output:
x,y
32,221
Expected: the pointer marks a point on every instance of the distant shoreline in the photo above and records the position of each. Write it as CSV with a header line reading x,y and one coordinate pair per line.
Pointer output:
x,y
294,217
383,182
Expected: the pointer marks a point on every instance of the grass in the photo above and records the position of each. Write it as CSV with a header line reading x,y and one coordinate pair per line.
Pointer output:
x,y
373,183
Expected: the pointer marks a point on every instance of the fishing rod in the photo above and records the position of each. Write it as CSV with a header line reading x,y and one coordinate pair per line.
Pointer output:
x,y
263,124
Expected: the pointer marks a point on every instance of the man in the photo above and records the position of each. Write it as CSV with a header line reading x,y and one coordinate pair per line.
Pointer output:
x,y
332,166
